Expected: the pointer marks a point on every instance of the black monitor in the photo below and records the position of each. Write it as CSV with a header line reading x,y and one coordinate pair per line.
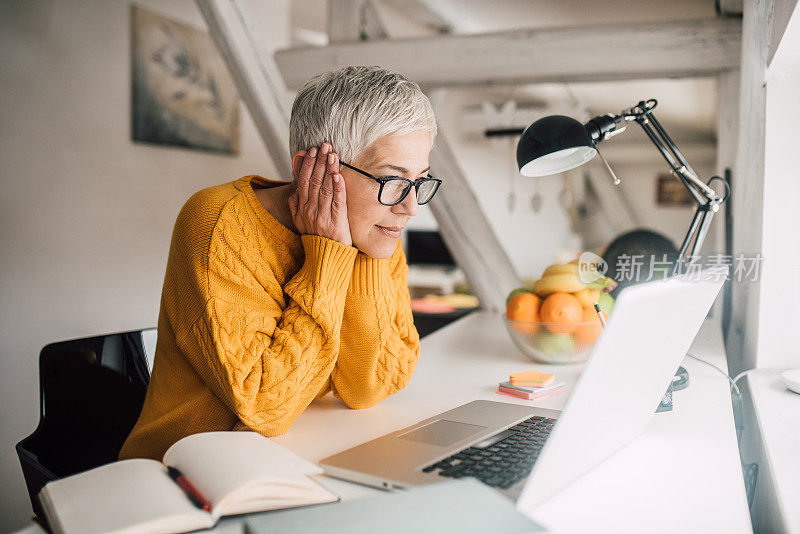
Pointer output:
x,y
426,247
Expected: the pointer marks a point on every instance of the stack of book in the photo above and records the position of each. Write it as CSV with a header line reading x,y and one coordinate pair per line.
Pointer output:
x,y
530,385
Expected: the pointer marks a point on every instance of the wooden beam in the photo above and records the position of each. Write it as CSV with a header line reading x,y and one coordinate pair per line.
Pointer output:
x,y
729,8
425,12
344,21
747,199
590,53
780,19
353,20
613,203
467,233
310,37
256,76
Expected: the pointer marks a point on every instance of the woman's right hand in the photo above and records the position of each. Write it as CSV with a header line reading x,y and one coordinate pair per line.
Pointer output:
x,y
319,205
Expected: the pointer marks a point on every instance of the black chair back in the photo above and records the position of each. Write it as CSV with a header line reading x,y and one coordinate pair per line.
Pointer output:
x,y
91,393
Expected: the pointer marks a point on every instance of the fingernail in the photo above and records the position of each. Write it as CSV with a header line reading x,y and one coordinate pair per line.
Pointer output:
x,y
313,152
336,178
324,148
330,159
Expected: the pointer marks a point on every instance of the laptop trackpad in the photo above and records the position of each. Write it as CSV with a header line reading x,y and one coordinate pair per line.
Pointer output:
x,y
442,432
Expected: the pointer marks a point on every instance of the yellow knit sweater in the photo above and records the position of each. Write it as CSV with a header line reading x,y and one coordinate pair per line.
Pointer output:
x,y
256,321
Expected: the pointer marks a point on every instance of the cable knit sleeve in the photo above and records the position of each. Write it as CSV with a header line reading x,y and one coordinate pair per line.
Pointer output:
x,y
379,343
266,354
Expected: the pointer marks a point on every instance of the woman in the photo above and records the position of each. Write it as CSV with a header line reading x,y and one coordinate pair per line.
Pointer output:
x,y
276,294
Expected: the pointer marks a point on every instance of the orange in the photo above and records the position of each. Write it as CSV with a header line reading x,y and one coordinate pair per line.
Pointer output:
x,y
515,293
588,332
524,307
562,309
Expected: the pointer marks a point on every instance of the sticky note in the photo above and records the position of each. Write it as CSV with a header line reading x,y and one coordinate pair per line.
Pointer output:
x,y
531,378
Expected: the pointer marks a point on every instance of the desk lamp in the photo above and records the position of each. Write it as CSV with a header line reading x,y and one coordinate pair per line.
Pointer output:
x,y
556,143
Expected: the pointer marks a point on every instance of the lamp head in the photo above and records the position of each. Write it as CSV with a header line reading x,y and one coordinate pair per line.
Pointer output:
x,y
552,145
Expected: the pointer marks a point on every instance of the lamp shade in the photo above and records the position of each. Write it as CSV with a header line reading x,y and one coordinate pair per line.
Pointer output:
x,y
552,145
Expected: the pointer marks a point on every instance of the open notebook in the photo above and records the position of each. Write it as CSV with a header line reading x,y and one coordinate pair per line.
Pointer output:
x,y
238,472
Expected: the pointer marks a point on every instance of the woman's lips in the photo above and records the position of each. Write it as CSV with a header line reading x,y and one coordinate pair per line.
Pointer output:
x,y
390,231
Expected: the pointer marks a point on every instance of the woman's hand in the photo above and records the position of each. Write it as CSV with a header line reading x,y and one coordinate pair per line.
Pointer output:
x,y
319,205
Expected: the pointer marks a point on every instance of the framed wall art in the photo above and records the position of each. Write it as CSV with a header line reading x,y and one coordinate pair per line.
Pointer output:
x,y
182,93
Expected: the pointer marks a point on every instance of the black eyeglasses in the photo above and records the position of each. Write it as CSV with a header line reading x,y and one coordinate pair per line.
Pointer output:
x,y
394,189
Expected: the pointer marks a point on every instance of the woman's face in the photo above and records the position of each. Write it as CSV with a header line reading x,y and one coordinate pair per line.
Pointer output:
x,y
375,228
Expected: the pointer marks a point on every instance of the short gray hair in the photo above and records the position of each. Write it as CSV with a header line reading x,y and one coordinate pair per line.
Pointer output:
x,y
354,106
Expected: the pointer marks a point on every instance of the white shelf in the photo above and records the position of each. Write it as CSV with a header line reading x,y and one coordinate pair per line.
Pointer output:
x,y
778,414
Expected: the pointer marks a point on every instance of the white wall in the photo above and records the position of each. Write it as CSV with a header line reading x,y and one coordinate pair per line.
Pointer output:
x,y
85,214
778,332
639,186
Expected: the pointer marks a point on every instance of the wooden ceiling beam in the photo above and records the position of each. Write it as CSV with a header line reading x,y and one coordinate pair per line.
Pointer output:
x,y
589,53
256,76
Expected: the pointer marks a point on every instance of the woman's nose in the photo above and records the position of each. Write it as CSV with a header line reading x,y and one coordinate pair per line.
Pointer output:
x,y
409,204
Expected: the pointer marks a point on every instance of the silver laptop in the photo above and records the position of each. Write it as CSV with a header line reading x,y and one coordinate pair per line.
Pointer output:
x,y
531,453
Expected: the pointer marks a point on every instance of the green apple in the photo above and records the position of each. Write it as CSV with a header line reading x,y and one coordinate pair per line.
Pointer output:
x,y
606,302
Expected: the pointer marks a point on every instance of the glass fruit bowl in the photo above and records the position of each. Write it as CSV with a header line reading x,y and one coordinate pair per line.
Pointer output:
x,y
556,343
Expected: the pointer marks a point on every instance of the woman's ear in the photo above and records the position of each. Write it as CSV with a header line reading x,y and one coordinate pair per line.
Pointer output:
x,y
297,162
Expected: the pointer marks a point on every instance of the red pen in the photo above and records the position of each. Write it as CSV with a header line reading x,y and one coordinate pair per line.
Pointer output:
x,y
194,495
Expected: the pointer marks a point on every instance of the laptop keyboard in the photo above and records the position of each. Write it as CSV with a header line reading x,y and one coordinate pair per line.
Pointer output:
x,y
501,460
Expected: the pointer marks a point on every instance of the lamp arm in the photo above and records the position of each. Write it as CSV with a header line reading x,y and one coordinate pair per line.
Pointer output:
x,y
701,192
695,235
662,133
675,164
708,201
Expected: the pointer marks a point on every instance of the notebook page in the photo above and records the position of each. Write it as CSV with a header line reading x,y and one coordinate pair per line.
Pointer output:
x,y
286,492
129,496
220,463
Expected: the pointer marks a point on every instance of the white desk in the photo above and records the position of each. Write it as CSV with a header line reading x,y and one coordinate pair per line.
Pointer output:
x,y
682,475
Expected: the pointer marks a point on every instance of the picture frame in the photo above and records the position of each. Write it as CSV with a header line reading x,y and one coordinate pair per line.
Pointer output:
x,y
182,93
